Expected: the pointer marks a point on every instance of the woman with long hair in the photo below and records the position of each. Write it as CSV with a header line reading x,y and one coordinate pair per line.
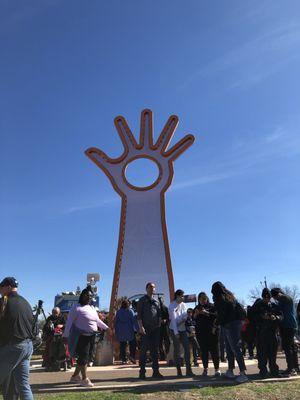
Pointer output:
x,y
82,324
207,333
229,316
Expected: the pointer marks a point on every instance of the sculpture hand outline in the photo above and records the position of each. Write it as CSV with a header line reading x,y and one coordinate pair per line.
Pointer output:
x,y
159,153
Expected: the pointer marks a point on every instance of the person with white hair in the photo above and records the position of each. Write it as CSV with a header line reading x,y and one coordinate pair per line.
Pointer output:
x,y
55,320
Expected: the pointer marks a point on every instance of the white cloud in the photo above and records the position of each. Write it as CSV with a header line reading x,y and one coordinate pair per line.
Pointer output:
x,y
255,60
90,206
202,180
251,153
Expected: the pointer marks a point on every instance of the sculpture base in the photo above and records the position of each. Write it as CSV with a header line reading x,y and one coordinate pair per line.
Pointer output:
x,y
104,353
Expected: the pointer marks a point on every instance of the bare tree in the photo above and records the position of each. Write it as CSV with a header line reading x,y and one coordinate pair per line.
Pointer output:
x,y
292,291
242,301
254,293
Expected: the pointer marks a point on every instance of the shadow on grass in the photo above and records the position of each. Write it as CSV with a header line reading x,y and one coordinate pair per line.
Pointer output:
x,y
148,386
136,386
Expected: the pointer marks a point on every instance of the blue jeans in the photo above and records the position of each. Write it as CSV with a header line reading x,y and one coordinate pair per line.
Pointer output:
x,y
233,344
14,364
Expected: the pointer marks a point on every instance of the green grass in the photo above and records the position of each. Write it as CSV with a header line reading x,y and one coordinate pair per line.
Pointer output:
x,y
250,391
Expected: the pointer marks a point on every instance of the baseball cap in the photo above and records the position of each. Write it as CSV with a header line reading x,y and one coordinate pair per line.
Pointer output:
x,y
9,281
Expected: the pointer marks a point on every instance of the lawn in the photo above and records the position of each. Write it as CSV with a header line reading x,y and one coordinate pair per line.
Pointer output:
x,y
250,391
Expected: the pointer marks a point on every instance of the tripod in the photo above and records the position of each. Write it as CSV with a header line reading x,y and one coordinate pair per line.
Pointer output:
x,y
39,310
37,341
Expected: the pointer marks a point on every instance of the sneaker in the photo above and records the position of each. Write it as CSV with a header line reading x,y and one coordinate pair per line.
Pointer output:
x,y
75,379
204,373
229,374
217,373
289,372
86,383
242,378
157,375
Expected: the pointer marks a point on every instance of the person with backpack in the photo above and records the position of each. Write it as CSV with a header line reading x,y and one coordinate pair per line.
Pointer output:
x,y
230,315
16,335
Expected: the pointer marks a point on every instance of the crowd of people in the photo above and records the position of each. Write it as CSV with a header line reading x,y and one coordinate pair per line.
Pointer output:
x,y
212,330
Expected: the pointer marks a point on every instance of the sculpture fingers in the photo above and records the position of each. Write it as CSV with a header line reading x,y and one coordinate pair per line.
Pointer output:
x,y
146,132
167,133
125,133
100,159
108,165
174,152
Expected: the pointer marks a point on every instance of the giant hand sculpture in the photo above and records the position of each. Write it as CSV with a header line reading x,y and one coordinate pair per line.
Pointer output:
x,y
143,253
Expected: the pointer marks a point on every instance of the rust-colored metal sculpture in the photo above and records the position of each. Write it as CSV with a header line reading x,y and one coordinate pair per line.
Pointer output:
x,y
143,251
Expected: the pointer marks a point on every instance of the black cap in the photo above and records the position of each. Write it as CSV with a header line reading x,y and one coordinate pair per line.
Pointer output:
x,y
265,293
9,281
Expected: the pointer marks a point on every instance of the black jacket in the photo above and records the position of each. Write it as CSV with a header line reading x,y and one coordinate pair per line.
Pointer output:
x,y
261,311
226,310
204,323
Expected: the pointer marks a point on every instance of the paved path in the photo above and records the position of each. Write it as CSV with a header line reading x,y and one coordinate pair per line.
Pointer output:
x,y
125,377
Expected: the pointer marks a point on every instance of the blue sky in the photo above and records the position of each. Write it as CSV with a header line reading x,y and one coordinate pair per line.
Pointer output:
x,y
228,69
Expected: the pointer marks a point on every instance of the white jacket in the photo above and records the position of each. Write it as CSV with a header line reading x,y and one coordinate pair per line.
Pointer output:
x,y
178,316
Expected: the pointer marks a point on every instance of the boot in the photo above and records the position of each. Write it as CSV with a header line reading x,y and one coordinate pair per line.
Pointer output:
x,y
142,375
157,375
179,372
189,371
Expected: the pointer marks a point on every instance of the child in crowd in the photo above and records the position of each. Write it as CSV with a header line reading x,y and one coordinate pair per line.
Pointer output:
x,y
190,324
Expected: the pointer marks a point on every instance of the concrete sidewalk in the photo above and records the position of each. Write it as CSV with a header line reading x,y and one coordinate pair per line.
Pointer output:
x,y
125,377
